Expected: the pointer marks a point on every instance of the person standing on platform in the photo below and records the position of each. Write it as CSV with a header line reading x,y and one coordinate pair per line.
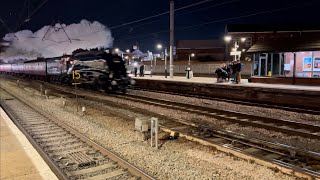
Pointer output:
x,y
233,71
241,66
238,71
142,70
135,71
228,69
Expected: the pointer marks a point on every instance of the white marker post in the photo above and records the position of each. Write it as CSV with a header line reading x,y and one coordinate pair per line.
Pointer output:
x,y
83,110
154,131
76,92
40,90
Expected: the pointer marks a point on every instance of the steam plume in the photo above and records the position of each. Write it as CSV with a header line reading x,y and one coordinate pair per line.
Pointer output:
x,y
31,45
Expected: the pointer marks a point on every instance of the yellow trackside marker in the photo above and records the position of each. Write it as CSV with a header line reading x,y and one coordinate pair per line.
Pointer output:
x,y
76,74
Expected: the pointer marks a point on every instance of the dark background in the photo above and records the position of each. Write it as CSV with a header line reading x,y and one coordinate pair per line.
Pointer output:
x,y
156,30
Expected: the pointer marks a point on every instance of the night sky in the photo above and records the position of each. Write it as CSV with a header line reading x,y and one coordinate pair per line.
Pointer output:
x,y
152,31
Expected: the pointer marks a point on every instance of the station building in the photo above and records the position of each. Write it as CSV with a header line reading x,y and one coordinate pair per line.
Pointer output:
x,y
205,50
280,54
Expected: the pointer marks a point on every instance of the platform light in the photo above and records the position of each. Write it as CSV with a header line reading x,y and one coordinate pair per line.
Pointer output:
x,y
190,55
227,38
243,39
159,46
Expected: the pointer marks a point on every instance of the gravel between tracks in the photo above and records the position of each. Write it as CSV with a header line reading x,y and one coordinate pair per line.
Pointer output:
x,y
304,143
297,141
264,112
178,159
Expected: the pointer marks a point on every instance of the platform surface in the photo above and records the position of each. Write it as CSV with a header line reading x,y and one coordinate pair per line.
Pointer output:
x,y
244,83
18,159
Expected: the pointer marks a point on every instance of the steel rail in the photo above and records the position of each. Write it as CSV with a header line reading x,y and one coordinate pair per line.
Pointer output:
x,y
126,165
242,102
285,126
293,154
235,117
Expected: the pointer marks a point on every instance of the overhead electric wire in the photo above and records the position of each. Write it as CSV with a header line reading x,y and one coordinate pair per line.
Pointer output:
x,y
30,15
208,7
189,12
191,5
22,22
161,14
221,20
7,27
188,6
243,16
34,11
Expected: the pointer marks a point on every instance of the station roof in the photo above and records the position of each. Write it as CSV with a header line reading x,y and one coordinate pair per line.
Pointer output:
x,y
286,45
137,53
254,28
200,44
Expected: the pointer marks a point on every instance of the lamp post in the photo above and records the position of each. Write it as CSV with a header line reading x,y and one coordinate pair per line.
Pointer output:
x,y
159,46
188,70
190,55
117,50
171,36
227,39
127,58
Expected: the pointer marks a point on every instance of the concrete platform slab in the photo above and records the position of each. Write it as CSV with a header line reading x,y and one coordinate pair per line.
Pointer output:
x,y
18,159
244,83
296,96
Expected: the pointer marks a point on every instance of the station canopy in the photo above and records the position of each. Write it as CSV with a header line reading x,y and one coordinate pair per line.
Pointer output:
x,y
286,45
137,53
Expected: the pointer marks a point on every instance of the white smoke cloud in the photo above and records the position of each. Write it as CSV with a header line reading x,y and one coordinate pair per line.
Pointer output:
x,y
31,45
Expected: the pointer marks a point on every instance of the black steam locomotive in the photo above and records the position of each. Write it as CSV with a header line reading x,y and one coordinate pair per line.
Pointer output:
x,y
91,69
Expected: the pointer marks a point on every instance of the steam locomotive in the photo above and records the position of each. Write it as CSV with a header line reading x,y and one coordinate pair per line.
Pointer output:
x,y
90,69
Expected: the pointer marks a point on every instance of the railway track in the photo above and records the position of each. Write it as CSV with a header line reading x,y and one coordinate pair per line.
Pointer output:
x,y
280,157
68,153
292,108
248,103
244,119
284,126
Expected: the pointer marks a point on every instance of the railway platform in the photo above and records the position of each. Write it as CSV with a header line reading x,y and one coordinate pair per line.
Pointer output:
x,y
18,158
297,95
244,83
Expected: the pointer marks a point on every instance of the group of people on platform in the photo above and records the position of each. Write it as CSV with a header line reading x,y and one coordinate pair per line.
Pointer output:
x,y
141,71
232,69
224,72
